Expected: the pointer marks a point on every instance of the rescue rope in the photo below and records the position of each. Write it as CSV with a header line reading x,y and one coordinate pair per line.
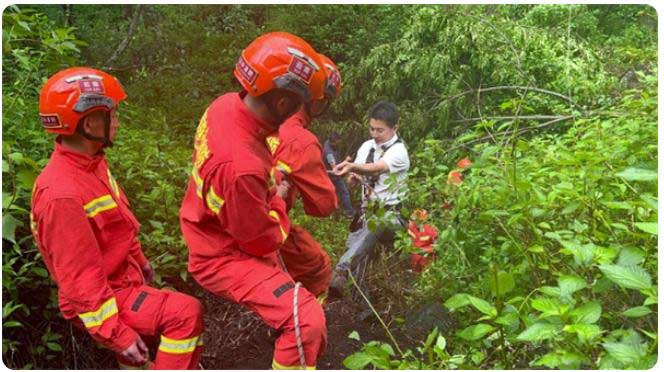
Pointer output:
x,y
296,320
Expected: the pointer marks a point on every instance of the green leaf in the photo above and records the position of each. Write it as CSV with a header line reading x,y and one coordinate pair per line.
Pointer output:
x,y
636,312
441,343
633,276
475,332
538,332
12,324
54,346
457,301
358,360
583,253
503,285
354,336
588,313
626,353
649,227
548,306
5,166
483,306
631,256
637,174
9,225
569,284
585,332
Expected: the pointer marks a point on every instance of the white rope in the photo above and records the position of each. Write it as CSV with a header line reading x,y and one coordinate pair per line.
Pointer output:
x,y
296,320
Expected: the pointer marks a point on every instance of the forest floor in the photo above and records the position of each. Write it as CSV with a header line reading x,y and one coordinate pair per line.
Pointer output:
x,y
235,338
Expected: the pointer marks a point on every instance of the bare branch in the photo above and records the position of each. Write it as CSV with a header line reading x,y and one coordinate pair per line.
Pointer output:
x,y
510,132
125,43
508,87
524,117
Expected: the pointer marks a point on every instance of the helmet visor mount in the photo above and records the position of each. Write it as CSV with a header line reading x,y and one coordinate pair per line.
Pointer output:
x,y
293,84
89,101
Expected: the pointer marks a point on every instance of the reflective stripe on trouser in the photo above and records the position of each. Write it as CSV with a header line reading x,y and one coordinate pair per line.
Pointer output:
x,y
259,284
306,261
176,317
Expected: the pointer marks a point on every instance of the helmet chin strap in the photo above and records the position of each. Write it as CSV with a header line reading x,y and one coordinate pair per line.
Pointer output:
x,y
106,140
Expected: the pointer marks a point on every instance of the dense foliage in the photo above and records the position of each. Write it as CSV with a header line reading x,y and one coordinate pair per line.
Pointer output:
x,y
547,255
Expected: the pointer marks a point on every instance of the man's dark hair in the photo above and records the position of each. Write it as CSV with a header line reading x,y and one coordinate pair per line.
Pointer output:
x,y
385,111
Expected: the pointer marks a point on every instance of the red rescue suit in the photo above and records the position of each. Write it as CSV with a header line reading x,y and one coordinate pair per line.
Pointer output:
x,y
87,236
423,238
297,155
234,224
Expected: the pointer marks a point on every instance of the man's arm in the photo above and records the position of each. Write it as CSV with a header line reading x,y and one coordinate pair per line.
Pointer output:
x,y
370,169
65,232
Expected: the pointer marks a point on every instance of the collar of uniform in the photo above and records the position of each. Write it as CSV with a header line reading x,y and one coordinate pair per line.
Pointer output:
x,y
78,159
252,123
301,118
386,144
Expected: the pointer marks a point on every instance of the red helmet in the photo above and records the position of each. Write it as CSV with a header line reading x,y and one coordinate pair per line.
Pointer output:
x,y
281,60
333,86
75,92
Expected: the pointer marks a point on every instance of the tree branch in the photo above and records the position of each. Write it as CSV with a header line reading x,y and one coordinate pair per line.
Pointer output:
x,y
524,117
509,132
507,87
125,43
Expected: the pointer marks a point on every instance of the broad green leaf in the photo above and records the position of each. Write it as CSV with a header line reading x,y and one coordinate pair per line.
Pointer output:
x,y
650,201
604,255
483,306
561,359
457,301
631,256
587,313
503,285
569,284
638,174
550,291
475,332
583,253
649,227
539,332
636,312
624,352
585,332
12,324
548,306
633,276
358,360
441,343
9,225
354,336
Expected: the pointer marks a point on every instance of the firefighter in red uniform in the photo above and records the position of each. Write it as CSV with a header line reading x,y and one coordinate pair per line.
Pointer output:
x,y
423,236
233,216
87,234
298,156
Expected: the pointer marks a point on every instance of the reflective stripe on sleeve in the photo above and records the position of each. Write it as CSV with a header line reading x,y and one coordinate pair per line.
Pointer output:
x,y
198,181
169,345
425,238
277,365
275,216
98,317
214,201
282,166
99,205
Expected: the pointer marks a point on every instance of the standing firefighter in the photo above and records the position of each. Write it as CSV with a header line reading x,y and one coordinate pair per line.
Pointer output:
x,y
233,216
87,234
298,157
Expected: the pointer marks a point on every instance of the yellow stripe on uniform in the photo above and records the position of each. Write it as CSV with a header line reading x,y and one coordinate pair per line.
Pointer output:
x,y
282,166
275,215
169,345
96,318
214,201
276,365
99,205
198,181
322,298
412,234
114,185
425,238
